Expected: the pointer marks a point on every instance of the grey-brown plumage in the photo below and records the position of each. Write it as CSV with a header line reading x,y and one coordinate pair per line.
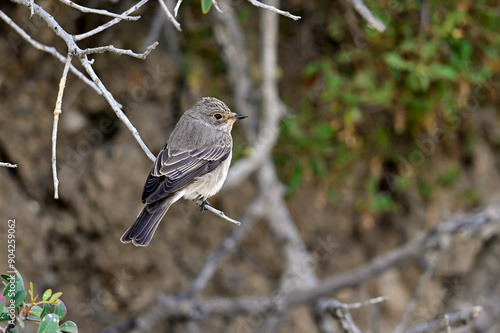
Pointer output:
x,y
193,164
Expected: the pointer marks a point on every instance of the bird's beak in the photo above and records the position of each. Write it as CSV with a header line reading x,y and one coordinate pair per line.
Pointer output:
x,y
238,116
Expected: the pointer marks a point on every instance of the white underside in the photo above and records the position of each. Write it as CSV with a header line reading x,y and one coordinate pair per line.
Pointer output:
x,y
207,185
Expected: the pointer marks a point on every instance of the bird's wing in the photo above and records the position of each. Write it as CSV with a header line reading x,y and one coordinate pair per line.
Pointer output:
x,y
175,169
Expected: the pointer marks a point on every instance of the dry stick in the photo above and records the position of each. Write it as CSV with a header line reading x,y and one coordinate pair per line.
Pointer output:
x,y
177,5
214,2
75,50
8,165
341,311
447,323
331,305
274,9
110,23
373,22
148,319
231,39
103,12
49,49
169,15
57,112
220,214
412,305
456,319
111,48
298,272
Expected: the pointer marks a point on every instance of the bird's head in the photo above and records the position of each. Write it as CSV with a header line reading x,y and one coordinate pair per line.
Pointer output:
x,y
215,113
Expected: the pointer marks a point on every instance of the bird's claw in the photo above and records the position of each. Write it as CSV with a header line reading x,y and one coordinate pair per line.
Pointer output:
x,y
203,205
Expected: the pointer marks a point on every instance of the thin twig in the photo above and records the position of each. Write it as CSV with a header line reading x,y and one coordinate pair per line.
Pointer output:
x,y
366,13
169,15
110,23
331,305
484,222
49,49
346,322
220,214
447,323
75,50
57,112
214,2
274,9
412,305
214,259
456,319
115,106
32,10
8,165
103,12
341,311
111,48
177,5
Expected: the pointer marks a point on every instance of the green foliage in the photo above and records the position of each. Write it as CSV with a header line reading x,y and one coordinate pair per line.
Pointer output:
x,y
16,308
205,6
371,97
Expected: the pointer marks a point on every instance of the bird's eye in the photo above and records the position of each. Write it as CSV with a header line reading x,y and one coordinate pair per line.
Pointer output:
x,y
217,116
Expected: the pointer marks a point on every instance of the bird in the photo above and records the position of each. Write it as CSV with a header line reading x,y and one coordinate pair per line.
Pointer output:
x,y
193,164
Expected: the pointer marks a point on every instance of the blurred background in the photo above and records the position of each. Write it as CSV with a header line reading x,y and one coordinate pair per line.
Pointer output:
x,y
384,136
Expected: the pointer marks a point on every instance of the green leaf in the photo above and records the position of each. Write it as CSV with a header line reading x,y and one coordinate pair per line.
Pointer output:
x,y
49,324
20,322
444,72
19,298
395,61
55,297
60,309
46,294
4,316
2,306
69,327
6,277
35,312
205,5
46,309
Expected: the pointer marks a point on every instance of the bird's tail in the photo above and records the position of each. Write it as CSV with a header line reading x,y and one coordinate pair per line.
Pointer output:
x,y
144,227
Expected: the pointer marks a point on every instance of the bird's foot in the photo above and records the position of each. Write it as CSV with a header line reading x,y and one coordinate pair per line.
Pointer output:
x,y
202,204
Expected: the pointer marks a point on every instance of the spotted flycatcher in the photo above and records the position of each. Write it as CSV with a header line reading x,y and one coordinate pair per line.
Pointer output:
x,y
193,164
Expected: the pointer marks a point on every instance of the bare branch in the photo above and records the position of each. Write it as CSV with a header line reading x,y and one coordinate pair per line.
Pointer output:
x,y
483,222
177,5
341,311
366,13
115,106
103,12
412,305
48,49
214,2
111,48
57,112
110,23
331,305
456,319
274,9
169,15
8,165
219,213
